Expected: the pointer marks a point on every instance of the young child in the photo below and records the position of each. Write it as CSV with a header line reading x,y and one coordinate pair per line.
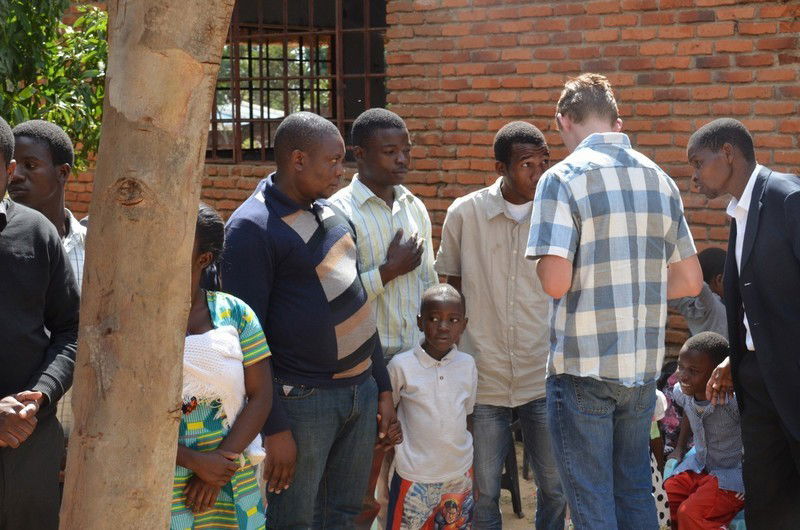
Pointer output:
x,y
434,387
707,490
706,311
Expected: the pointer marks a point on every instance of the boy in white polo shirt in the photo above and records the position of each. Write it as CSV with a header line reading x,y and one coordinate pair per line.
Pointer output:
x,y
434,387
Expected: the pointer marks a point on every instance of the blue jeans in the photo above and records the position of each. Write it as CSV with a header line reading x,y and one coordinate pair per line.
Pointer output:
x,y
601,437
335,431
492,441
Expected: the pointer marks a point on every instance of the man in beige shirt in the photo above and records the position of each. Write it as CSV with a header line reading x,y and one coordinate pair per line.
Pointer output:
x,y
482,253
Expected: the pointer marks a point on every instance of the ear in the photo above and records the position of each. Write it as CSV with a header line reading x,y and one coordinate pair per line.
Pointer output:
x,y
500,168
617,125
419,322
10,168
298,159
358,153
728,151
562,122
205,259
63,173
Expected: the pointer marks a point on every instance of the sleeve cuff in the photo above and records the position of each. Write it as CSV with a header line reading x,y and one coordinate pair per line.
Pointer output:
x,y
51,388
373,283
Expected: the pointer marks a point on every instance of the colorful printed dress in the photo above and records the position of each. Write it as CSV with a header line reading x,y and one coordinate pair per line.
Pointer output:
x,y
239,502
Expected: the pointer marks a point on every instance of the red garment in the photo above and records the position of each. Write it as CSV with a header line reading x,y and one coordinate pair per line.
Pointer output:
x,y
697,503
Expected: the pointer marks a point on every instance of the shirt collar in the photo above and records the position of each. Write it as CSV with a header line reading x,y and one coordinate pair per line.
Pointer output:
x,y
620,139
742,204
3,214
281,202
496,204
429,362
77,232
361,193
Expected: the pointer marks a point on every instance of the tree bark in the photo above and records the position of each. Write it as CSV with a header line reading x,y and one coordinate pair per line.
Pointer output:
x,y
163,61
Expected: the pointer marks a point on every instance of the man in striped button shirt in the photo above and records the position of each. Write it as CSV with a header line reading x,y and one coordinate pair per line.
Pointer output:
x,y
395,253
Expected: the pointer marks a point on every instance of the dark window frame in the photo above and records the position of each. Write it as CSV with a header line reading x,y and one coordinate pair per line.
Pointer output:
x,y
262,35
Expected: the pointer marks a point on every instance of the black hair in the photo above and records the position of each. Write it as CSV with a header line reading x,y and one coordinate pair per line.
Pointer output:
x,y
708,343
210,236
301,130
450,504
516,132
444,290
50,135
372,120
724,131
6,141
712,262
666,372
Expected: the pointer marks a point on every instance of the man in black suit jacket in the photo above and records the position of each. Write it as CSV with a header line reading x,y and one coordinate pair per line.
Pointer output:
x,y
762,299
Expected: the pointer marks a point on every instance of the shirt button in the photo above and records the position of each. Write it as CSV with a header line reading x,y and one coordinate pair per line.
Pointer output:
x,y
441,378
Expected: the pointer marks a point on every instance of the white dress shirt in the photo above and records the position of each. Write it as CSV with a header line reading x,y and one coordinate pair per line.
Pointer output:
x,y
738,209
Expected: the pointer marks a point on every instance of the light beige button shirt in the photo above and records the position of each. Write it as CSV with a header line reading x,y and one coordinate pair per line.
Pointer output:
x,y
508,330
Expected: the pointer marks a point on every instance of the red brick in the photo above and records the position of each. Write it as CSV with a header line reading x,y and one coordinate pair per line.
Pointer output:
x,y
654,78
765,140
757,28
720,29
710,92
635,94
565,66
585,22
752,92
786,58
654,139
584,52
778,11
686,17
569,9
787,157
692,77
786,74
748,61
620,51
792,91
517,54
774,108
652,109
639,34
595,8
484,56
673,94
550,54
516,82
790,126
537,10
657,48
667,63
694,47
639,5
712,61
736,13
550,24
734,76
627,19
531,68
733,45
471,97
660,18
637,63
546,81
571,37
738,108
602,35
516,26
778,43
676,32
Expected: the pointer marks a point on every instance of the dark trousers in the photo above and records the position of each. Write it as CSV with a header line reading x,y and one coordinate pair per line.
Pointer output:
x,y
29,490
771,456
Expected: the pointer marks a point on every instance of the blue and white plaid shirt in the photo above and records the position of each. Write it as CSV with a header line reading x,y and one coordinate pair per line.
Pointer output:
x,y
618,218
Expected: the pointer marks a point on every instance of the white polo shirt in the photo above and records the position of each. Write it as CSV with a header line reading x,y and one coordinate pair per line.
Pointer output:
x,y
433,399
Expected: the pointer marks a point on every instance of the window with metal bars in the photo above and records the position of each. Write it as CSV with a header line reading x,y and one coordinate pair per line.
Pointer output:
x,y
283,56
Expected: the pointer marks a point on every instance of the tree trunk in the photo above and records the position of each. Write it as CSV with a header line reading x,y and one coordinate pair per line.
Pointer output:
x,y
163,61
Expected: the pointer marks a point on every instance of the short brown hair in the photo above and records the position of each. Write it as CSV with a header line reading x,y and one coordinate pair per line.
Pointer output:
x,y
586,95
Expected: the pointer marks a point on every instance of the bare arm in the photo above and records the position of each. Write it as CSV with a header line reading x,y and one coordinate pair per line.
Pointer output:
x,y
258,387
684,433
684,278
555,273
455,281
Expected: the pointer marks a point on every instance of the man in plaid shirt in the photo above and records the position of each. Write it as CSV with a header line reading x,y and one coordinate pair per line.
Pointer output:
x,y
613,245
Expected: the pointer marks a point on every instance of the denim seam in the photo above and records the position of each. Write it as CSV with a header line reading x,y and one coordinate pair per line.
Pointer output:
x,y
567,458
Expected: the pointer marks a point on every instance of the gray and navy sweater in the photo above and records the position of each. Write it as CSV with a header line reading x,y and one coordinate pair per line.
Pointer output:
x,y
297,269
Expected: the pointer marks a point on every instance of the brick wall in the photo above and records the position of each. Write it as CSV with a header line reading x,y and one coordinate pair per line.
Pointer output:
x,y
460,69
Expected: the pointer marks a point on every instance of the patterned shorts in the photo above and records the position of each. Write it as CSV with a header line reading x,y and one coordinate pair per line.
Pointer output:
x,y
442,505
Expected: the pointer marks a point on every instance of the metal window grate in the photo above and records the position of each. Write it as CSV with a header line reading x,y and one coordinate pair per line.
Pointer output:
x,y
283,56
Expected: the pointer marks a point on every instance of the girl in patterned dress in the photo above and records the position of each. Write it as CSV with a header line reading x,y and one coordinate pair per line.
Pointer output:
x,y
215,484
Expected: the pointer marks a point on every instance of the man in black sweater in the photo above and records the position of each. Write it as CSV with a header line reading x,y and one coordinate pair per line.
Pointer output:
x,y
38,338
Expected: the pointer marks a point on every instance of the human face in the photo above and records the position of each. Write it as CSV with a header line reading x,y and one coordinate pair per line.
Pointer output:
x,y
385,158
694,371
442,321
712,172
321,169
526,165
37,182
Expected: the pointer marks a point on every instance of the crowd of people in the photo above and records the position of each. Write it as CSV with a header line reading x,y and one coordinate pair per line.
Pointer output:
x,y
330,379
